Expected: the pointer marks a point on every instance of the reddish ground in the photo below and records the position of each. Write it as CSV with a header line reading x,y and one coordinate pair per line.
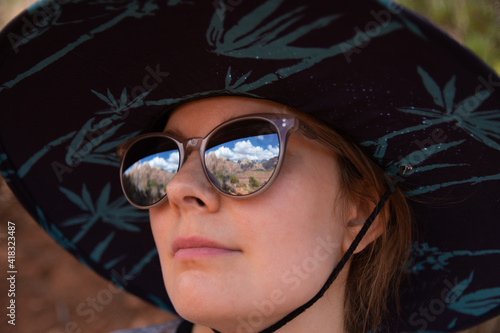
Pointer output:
x,y
51,284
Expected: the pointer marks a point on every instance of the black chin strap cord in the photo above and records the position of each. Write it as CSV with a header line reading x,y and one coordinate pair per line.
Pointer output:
x,y
282,322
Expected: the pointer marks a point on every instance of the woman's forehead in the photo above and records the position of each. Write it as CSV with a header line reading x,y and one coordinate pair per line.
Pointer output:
x,y
198,118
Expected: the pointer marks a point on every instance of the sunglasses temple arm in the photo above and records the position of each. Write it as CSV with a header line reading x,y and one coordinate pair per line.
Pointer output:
x,y
310,134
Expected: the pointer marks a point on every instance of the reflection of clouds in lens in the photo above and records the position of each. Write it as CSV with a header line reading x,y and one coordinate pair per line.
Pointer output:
x,y
274,150
245,149
161,161
168,161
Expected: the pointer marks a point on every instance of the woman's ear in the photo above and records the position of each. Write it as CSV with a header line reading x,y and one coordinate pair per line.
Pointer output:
x,y
356,216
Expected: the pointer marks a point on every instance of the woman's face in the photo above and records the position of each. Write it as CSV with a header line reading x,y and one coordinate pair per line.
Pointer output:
x,y
247,262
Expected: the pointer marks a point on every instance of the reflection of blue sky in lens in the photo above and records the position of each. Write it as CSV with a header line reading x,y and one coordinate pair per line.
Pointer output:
x,y
168,161
256,148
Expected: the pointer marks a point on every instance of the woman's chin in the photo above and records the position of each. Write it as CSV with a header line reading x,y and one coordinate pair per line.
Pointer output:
x,y
209,315
197,297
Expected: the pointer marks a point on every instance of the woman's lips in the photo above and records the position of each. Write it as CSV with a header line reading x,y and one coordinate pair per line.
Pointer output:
x,y
198,247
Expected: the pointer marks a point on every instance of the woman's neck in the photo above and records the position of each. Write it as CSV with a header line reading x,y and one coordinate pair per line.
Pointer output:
x,y
326,315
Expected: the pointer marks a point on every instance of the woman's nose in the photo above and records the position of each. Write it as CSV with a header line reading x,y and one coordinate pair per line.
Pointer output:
x,y
190,188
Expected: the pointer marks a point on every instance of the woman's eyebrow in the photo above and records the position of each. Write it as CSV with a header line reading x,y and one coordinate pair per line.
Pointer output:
x,y
175,132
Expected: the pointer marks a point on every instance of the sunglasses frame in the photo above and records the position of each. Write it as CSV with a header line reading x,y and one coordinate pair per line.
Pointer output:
x,y
285,124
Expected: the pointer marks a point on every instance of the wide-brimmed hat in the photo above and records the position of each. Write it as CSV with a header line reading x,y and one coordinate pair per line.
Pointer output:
x,y
77,78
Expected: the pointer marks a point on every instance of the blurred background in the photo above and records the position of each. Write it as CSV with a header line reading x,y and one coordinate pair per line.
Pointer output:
x,y
475,24
51,284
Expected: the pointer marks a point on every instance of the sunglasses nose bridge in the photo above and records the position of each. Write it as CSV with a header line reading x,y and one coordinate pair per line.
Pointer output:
x,y
190,145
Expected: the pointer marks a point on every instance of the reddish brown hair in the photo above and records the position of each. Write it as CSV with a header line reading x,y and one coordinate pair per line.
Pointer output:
x,y
376,272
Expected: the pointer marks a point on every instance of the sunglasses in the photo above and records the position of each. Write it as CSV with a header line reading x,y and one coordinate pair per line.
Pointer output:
x,y
240,157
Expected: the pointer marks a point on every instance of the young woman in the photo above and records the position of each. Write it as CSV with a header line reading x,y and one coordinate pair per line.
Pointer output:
x,y
272,144
283,236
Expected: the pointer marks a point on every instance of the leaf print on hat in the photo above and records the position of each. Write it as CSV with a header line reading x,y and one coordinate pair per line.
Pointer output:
x,y
118,213
252,38
475,303
121,105
127,9
483,126
424,256
6,173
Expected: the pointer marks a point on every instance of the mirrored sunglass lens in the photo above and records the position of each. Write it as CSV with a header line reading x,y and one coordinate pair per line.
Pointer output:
x,y
242,157
148,167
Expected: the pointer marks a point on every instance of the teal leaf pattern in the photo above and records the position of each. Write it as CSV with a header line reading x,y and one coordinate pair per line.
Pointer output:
x,y
483,126
179,2
431,86
459,289
101,247
390,5
26,167
452,323
426,257
127,9
118,213
449,94
473,181
122,104
251,38
112,263
89,144
420,156
255,33
255,37
138,267
159,302
5,172
476,303
80,202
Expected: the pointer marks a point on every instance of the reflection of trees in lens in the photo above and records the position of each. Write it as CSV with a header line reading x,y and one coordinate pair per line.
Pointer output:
x,y
146,185
219,175
253,182
133,193
228,188
234,177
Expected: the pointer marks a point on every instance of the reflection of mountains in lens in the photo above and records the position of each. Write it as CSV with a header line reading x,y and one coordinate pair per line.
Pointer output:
x,y
146,185
240,177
